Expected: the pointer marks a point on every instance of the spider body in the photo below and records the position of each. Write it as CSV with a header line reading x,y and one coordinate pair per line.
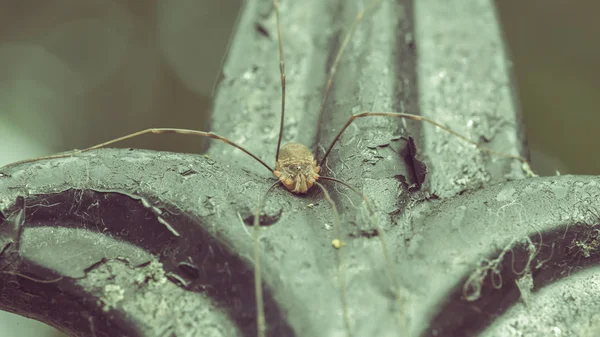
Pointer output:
x,y
296,168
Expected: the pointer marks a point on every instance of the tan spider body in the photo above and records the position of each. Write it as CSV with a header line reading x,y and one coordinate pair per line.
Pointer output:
x,y
297,168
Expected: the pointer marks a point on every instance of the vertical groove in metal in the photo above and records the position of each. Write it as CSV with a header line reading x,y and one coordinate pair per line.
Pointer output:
x,y
443,60
248,103
464,83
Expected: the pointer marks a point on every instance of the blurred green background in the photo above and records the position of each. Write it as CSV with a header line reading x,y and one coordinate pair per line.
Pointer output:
x,y
555,49
75,73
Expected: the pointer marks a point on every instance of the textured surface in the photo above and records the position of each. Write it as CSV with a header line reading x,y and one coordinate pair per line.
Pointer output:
x,y
94,218
464,82
474,247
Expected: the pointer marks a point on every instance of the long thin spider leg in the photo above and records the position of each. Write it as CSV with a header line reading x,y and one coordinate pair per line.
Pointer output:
x,y
154,130
261,325
341,271
359,16
430,121
54,280
229,41
282,72
384,246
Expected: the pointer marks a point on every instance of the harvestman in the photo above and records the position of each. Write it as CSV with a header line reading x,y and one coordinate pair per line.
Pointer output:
x,y
298,170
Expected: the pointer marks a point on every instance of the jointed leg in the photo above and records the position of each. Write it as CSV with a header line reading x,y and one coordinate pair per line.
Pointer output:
x,y
338,56
430,121
341,271
139,133
54,280
261,325
260,310
391,267
282,72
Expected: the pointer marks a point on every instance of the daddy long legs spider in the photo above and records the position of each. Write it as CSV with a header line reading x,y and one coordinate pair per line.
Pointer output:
x,y
301,183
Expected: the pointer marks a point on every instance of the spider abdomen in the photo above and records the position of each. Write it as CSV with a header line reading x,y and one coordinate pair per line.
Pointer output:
x,y
296,168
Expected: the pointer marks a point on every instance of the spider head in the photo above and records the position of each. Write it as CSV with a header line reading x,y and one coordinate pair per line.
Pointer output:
x,y
296,168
